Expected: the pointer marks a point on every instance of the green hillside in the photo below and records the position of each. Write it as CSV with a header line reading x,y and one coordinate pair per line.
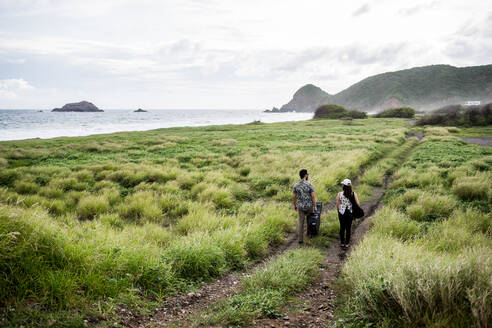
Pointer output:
x,y
421,87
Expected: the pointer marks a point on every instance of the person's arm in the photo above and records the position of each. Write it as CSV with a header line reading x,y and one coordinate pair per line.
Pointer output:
x,y
294,200
356,198
313,197
338,202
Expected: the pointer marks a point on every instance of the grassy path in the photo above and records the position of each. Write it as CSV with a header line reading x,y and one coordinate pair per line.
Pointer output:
x,y
314,307
183,310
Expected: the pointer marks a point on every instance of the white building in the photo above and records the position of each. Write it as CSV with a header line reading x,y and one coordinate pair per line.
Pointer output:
x,y
472,103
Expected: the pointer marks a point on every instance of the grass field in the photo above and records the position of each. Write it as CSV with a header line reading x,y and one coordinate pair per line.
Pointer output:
x,y
91,223
426,262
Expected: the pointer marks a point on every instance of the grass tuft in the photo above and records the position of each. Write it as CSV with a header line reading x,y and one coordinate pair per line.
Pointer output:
x,y
91,206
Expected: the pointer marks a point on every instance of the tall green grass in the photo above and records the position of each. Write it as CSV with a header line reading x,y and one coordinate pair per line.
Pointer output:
x,y
132,217
426,259
265,291
396,284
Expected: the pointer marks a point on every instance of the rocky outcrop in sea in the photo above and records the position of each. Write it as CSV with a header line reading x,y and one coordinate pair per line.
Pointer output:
x,y
83,106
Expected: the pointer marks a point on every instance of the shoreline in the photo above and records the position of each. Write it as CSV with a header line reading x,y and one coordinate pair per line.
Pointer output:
x,y
88,124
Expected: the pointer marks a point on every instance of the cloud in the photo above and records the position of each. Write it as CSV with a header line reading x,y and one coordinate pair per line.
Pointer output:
x,y
362,10
122,51
10,88
409,11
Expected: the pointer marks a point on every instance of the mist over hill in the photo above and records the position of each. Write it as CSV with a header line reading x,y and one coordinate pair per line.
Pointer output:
x,y
423,88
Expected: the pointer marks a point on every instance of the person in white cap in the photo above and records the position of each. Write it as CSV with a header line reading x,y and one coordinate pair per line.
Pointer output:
x,y
344,207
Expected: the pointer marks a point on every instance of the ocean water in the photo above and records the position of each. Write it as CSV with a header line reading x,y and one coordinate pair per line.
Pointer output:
x,y
27,124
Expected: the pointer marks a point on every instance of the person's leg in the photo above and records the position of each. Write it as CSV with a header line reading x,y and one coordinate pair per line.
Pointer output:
x,y
342,228
300,229
348,221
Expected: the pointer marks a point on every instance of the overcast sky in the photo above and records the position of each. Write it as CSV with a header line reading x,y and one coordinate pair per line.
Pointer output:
x,y
222,54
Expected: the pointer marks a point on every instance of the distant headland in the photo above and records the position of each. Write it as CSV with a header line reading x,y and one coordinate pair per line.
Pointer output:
x,y
82,106
140,110
423,88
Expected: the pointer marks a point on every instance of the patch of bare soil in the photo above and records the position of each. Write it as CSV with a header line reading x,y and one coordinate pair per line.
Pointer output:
x,y
482,141
418,135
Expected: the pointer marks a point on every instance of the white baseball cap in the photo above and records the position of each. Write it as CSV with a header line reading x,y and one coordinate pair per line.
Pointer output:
x,y
347,182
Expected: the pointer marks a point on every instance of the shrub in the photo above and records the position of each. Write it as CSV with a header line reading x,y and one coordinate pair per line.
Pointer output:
x,y
202,218
23,187
173,207
55,207
335,112
7,177
231,242
221,197
391,222
244,171
356,114
85,176
410,196
51,192
374,176
141,207
330,112
32,200
131,175
3,162
403,112
196,257
112,195
452,236
241,193
67,184
113,220
90,206
409,178
430,207
471,188
474,221
459,115
188,180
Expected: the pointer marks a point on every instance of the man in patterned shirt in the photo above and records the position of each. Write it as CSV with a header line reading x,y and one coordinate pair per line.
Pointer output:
x,y
304,201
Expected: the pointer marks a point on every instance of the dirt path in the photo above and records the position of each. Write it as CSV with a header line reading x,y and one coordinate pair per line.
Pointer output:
x,y
482,141
419,135
176,311
315,306
179,310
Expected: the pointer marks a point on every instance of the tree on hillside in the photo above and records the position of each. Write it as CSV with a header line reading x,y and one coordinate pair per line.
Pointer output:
x,y
459,115
403,112
332,111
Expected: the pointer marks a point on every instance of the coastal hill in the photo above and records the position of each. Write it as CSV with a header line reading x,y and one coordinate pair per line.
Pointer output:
x,y
423,88
83,106
307,99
